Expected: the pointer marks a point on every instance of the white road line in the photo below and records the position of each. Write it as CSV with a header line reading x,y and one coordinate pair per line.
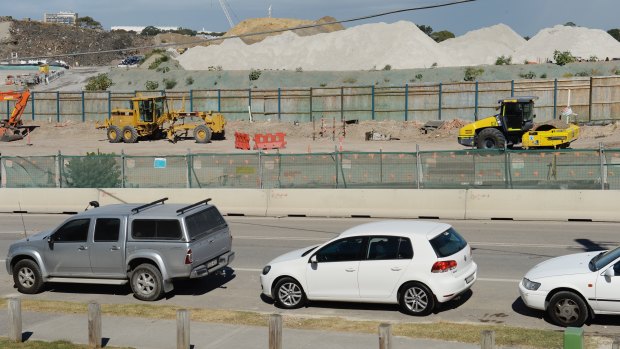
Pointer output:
x,y
2,260
290,238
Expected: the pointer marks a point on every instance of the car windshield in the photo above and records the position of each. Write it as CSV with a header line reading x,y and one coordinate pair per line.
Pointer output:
x,y
604,258
448,243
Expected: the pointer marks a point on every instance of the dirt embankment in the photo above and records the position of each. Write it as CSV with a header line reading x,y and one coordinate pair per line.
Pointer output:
x,y
260,25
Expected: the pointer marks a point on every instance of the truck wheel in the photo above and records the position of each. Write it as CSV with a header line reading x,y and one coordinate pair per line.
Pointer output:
x,y
27,276
130,135
567,309
147,283
114,134
202,134
288,294
490,138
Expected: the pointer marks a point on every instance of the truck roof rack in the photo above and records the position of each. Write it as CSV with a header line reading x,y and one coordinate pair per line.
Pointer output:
x,y
187,208
145,206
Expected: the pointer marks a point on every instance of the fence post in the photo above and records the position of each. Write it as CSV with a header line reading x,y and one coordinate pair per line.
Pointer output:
x,y
512,88
336,163
385,336
219,100
15,319
191,100
183,329
250,97
123,184
418,162
311,114
83,108
380,165
32,103
59,170
94,325
590,101
603,161
57,106
487,339
341,103
2,173
476,103
406,102
8,110
440,96
190,160
275,331
555,98
372,102
260,170
279,104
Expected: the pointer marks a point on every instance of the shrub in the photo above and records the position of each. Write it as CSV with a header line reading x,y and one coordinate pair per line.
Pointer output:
x,y
419,76
562,58
528,75
100,82
322,84
471,73
189,80
94,170
434,65
158,61
593,59
299,69
163,69
349,80
582,73
615,71
151,85
169,83
567,75
254,74
503,60
387,67
543,75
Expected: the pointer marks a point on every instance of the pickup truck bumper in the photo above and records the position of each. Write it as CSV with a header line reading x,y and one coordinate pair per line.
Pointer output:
x,y
204,269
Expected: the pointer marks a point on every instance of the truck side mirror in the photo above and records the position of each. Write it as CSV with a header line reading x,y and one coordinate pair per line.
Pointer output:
x,y
50,242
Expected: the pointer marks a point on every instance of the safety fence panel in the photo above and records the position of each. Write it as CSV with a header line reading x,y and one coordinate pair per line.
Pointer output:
x,y
317,170
458,101
93,171
606,97
378,170
29,172
463,169
224,171
156,172
612,168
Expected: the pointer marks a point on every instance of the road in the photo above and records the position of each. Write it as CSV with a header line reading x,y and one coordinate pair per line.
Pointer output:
x,y
504,251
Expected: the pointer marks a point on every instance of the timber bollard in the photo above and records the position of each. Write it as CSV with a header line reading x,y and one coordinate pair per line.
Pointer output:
x,y
183,329
15,320
385,336
275,331
573,338
487,339
94,325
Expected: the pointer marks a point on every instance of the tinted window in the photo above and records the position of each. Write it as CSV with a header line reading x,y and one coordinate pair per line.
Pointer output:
x,y
389,247
156,229
107,229
347,249
73,231
204,222
448,243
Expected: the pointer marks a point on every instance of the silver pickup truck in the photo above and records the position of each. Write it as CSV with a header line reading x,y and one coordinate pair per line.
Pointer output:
x,y
146,245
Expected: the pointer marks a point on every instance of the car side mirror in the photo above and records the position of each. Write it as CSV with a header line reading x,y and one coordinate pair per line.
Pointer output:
x,y
610,272
313,259
50,242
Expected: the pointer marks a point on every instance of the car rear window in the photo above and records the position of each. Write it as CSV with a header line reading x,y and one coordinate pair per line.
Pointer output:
x,y
156,229
448,243
204,222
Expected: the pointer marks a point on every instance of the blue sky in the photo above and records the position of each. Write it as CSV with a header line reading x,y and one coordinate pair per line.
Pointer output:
x,y
526,17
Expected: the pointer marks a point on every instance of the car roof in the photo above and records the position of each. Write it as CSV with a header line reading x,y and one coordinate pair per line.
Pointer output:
x,y
156,211
404,227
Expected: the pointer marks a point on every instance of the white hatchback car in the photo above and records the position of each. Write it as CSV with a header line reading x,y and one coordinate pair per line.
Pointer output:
x,y
412,263
573,288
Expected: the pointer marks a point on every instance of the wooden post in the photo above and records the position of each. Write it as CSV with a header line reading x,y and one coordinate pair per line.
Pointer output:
x,y
487,340
616,343
183,329
275,331
15,319
94,325
385,336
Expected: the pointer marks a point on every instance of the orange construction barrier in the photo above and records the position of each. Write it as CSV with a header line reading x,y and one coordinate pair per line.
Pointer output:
x,y
269,141
242,141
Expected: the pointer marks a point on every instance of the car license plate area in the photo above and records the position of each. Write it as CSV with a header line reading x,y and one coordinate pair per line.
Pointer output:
x,y
212,263
469,278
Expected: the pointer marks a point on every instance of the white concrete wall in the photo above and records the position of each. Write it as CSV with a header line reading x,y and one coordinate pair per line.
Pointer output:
x,y
559,205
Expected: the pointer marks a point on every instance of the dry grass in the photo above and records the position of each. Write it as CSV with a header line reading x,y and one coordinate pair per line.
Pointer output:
x,y
7,344
457,332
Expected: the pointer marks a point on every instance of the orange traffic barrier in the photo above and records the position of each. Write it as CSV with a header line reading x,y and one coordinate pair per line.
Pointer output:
x,y
269,141
242,141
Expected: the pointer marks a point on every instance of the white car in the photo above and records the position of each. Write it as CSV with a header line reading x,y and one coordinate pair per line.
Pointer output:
x,y
575,287
412,263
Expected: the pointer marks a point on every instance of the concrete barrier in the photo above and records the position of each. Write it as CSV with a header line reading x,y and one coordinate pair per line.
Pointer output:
x,y
556,205
46,200
388,203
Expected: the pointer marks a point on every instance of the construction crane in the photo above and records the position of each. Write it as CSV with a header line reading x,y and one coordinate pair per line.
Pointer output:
x,y
13,129
224,5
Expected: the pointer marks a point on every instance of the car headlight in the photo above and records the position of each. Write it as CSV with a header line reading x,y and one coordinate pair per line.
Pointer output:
x,y
530,285
266,269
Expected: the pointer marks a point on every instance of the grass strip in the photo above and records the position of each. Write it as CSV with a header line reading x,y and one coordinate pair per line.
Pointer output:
x,y
5,343
446,331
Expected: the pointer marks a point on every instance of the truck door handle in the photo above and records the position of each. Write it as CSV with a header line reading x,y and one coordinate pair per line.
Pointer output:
x,y
350,270
114,248
82,248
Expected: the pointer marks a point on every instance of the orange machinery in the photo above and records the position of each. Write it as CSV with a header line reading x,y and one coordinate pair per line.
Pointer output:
x,y
13,128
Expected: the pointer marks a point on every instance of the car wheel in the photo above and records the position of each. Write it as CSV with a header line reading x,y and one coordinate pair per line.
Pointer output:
x,y
146,282
567,309
27,276
288,294
416,299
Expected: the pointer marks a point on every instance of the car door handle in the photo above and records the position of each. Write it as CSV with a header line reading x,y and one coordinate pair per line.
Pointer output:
x,y
350,270
396,268
82,248
114,248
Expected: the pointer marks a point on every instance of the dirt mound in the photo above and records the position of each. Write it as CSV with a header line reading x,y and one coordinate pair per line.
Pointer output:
x,y
257,25
183,41
31,39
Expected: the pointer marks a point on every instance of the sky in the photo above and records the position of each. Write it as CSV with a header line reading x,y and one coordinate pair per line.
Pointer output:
x,y
526,17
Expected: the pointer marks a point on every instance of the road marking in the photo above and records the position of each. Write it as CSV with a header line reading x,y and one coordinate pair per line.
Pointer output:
x,y
2,260
247,269
293,238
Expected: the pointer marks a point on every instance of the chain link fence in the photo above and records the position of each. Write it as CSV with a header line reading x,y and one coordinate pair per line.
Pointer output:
x,y
463,169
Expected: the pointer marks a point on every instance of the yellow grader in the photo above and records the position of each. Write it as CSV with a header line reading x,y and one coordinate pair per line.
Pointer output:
x,y
150,117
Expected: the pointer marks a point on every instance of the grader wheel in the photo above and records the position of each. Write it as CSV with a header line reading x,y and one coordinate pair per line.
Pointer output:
x,y
202,134
130,135
114,134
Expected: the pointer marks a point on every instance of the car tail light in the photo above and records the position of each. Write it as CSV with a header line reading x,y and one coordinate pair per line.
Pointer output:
x,y
443,266
188,257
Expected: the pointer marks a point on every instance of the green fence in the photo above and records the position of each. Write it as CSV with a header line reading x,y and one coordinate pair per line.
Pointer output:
x,y
493,169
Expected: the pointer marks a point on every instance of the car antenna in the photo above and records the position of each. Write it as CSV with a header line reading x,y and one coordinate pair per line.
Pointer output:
x,y
21,213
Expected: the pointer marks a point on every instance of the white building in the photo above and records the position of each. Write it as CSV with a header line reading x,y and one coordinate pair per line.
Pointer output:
x,y
138,29
61,17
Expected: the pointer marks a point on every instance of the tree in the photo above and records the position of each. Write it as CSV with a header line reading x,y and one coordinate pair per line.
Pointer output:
x,y
472,74
88,23
503,60
562,58
150,31
615,33
93,171
426,29
442,35
100,82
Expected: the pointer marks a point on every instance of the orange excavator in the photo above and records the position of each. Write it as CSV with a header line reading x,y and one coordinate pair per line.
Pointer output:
x,y
13,128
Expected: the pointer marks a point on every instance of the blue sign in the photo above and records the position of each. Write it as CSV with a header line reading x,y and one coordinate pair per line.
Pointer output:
x,y
159,163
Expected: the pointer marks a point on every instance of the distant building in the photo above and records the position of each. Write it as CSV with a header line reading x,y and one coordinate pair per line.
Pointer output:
x,y
61,17
138,29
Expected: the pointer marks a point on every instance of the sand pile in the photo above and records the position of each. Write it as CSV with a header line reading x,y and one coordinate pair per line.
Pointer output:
x,y
259,25
581,42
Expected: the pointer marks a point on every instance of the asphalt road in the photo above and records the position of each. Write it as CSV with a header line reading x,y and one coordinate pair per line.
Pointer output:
x,y
504,251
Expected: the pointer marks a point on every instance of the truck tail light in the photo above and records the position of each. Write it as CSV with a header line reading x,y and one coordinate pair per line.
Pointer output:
x,y
188,257
443,266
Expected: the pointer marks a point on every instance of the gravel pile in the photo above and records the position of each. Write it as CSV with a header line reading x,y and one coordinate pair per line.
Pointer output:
x,y
400,45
